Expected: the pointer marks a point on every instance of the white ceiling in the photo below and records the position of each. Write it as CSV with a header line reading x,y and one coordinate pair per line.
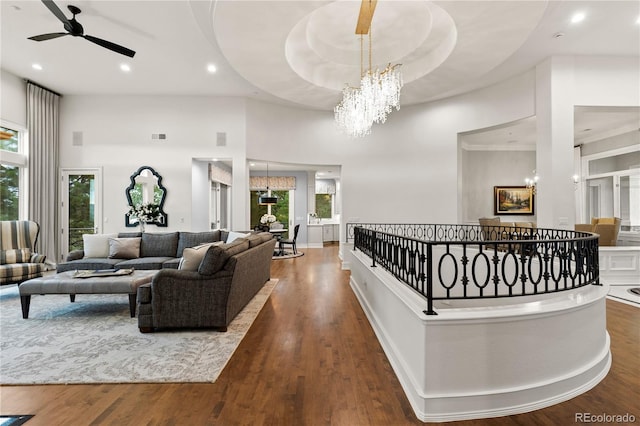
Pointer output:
x,y
302,52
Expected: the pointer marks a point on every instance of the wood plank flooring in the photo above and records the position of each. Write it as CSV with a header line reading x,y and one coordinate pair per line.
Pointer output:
x,y
311,358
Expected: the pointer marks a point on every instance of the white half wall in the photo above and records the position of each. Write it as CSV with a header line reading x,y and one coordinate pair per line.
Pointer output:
x,y
486,360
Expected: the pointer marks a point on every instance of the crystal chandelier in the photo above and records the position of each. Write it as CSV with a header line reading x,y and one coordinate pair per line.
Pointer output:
x,y
378,94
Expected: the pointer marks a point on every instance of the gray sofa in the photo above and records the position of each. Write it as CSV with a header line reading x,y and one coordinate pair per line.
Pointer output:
x,y
227,278
157,251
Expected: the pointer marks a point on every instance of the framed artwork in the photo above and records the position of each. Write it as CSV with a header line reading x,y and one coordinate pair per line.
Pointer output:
x,y
513,200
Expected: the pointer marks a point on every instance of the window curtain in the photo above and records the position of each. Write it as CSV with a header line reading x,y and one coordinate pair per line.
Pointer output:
x,y
325,186
43,123
276,183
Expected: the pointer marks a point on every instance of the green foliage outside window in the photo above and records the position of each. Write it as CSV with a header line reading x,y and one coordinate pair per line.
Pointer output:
x,y
81,209
279,210
323,206
9,178
9,192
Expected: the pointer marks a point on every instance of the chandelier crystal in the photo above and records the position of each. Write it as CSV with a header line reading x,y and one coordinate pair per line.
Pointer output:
x,y
376,97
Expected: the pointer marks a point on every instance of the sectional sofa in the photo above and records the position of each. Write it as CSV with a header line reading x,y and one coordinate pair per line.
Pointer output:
x,y
204,279
139,250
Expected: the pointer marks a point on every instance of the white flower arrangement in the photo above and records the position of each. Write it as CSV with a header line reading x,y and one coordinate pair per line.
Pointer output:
x,y
145,212
267,219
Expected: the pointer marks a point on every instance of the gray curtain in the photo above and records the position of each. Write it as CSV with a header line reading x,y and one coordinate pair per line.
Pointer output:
x,y
43,123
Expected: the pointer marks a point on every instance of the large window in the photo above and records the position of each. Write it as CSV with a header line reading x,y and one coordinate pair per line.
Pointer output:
x,y
279,210
13,163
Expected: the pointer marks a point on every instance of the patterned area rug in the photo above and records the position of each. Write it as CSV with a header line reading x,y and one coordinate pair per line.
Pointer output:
x,y
94,340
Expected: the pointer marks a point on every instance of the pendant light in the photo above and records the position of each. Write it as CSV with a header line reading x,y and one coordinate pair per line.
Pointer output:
x,y
267,199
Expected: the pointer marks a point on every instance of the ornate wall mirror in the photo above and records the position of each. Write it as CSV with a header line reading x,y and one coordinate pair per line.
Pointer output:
x,y
146,188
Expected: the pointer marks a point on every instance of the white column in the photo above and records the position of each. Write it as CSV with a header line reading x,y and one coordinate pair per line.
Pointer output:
x,y
555,201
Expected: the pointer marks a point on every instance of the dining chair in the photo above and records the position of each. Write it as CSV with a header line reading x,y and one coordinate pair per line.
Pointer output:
x,y
291,241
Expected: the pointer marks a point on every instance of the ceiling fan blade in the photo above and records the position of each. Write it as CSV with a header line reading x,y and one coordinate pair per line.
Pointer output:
x,y
56,11
111,46
43,37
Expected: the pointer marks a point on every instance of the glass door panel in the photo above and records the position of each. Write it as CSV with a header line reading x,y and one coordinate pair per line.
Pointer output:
x,y
80,208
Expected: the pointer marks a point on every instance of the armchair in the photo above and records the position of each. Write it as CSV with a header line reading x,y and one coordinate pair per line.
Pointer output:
x,y
18,259
607,229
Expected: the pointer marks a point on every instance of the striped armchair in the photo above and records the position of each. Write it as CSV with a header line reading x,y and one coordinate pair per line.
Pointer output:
x,y
18,259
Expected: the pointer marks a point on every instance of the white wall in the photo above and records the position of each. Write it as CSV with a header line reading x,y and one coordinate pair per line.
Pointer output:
x,y
482,170
13,98
406,170
116,135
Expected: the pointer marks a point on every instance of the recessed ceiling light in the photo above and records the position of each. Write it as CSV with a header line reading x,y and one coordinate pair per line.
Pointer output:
x,y
37,67
638,20
125,67
211,69
578,17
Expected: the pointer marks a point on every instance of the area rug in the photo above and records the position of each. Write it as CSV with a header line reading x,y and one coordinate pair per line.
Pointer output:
x,y
14,420
94,340
287,255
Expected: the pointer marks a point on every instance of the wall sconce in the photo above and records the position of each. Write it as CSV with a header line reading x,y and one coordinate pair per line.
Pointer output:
x,y
532,183
576,181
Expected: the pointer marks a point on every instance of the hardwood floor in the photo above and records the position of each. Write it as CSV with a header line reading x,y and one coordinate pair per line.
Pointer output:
x,y
311,358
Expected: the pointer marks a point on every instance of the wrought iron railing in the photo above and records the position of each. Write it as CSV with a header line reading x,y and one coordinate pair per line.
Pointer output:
x,y
473,262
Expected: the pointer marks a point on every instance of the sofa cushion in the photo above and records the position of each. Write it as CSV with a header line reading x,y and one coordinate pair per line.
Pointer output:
x,y
143,263
213,260
16,272
237,246
88,263
15,256
171,263
192,256
96,245
192,239
259,238
124,248
234,235
129,234
159,245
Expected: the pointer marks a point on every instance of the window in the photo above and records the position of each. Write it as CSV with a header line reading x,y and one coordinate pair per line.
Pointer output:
x,y
324,206
279,210
613,187
13,163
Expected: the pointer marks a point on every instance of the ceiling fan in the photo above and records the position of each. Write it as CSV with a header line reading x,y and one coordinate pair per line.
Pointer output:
x,y
74,28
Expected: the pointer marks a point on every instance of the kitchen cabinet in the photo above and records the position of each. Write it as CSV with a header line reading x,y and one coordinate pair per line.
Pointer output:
x,y
330,232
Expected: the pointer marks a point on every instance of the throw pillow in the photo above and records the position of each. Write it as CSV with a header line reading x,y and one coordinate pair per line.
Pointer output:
x,y
159,245
235,235
96,245
192,256
124,248
15,256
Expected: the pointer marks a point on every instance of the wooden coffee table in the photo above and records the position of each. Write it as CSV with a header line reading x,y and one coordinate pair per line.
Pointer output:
x,y
69,283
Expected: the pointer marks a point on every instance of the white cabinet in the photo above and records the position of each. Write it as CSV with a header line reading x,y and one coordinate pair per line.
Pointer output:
x,y
314,236
330,232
